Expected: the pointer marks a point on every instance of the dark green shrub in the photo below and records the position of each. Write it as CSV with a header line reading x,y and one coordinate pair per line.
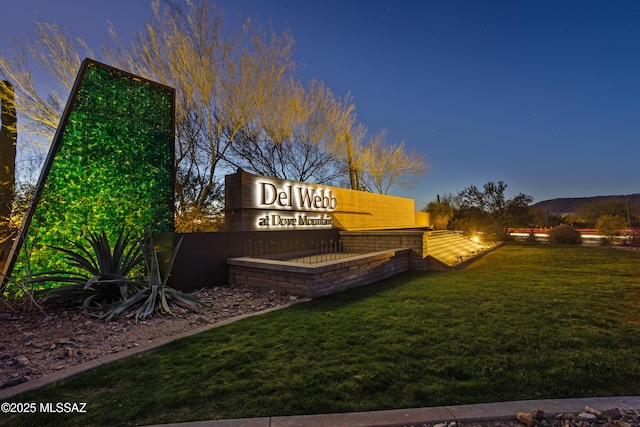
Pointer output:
x,y
564,234
610,226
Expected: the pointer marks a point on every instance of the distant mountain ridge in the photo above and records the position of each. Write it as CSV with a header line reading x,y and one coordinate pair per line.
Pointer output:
x,y
571,205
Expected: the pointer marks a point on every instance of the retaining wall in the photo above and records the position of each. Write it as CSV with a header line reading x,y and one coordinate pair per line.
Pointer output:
x,y
314,280
369,241
202,258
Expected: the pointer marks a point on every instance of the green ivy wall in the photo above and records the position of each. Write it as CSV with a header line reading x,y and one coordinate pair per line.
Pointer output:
x,y
112,166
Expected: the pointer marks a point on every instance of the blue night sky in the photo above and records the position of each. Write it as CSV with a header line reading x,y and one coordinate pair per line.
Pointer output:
x,y
544,95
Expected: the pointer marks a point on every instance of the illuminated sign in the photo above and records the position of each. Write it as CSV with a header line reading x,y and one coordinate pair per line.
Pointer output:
x,y
259,203
299,197
312,203
274,219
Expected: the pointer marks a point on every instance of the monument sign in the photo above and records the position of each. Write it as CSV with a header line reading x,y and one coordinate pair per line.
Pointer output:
x,y
259,203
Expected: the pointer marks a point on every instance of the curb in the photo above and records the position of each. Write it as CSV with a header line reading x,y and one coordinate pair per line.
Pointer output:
x,y
499,411
38,383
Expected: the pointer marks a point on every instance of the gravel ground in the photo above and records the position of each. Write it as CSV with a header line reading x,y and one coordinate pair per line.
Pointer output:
x,y
42,342
589,417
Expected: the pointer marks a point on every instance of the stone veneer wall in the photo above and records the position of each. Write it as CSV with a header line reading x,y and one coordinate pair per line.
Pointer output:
x,y
370,241
314,280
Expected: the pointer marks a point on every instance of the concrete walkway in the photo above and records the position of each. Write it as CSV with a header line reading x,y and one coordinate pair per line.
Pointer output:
x,y
419,416
397,417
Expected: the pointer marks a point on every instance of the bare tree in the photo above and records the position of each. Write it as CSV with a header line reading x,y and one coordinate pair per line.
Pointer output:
x,y
34,116
388,165
221,81
8,139
352,137
58,55
238,103
295,135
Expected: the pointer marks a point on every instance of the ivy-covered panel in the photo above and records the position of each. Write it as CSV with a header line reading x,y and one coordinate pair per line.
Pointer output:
x,y
112,166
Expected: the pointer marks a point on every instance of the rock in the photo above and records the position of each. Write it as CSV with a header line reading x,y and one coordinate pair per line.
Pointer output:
x,y
5,316
614,413
620,423
585,416
538,414
27,336
524,418
590,410
633,417
22,361
14,381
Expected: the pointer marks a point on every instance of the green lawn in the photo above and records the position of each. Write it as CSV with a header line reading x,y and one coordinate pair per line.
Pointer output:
x,y
523,322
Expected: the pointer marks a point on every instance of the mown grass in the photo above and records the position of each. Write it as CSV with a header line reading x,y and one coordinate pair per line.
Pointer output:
x,y
523,322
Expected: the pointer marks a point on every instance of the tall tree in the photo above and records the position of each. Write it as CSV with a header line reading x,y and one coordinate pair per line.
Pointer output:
x,y
491,201
221,80
58,55
53,50
388,165
235,90
8,140
441,213
294,135
350,139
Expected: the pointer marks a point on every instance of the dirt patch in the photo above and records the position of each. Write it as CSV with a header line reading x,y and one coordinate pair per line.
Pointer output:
x,y
40,343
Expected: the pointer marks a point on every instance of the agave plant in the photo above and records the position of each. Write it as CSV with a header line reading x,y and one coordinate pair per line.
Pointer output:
x,y
97,275
155,296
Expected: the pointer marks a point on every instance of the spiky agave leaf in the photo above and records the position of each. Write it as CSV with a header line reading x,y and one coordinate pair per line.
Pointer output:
x,y
155,296
82,260
121,259
104,268
128,255
59,276
114,310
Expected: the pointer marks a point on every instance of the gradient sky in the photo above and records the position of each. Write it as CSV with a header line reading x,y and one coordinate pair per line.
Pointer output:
x,y
544,95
